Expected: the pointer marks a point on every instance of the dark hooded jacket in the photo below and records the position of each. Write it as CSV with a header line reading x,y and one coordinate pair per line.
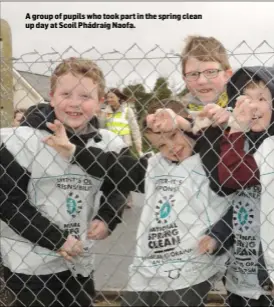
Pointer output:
x,y
235,88
112,200
210,151
208,144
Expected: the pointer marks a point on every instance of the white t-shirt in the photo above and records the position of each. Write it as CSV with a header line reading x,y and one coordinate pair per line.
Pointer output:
x,y
242,272
179,207
264,157
63,192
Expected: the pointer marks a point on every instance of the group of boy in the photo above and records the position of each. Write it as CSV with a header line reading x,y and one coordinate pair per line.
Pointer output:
x,y
202,213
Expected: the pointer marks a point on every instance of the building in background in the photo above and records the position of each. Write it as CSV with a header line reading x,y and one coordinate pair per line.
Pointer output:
x,y
29,89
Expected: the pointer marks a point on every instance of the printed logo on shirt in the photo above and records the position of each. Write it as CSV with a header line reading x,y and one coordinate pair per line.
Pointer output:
x,y
243,215
163,209
74,204
246,232
78,183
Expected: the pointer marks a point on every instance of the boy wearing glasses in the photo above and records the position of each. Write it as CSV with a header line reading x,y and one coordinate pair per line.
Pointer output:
x,y
206,71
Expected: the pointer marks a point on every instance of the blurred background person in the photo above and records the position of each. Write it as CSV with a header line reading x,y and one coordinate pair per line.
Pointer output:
x,y
120,118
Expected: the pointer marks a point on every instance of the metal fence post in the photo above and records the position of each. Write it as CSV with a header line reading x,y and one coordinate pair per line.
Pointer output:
x,y
6,81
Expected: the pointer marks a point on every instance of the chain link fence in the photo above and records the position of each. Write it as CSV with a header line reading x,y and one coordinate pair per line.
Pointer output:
x,y
182,202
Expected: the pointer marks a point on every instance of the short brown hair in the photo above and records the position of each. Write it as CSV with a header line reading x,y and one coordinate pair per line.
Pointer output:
x,y
79,66
172,104
122,97
253,84
204,49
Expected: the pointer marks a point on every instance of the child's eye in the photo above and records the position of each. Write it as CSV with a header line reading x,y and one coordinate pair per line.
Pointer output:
x,y
85,96
192,75
262,99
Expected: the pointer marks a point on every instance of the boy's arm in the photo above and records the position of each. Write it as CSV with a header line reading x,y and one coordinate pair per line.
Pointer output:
x,y
236,169
18,212
222,232
112,204
123,172
129,177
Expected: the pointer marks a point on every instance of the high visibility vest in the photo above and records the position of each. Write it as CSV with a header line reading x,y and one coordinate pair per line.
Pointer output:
x,y
117,122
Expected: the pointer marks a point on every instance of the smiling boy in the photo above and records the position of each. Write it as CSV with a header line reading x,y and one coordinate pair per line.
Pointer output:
x,y
241,153
61,192
206,71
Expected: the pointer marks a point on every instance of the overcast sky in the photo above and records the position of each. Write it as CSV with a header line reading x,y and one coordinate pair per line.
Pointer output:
x,y
231,23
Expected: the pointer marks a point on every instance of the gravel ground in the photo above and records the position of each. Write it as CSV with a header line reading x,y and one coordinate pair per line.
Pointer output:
x,y
4,295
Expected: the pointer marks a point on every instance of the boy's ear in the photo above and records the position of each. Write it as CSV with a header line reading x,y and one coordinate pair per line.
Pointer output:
x,y
51,99
51,103
229,73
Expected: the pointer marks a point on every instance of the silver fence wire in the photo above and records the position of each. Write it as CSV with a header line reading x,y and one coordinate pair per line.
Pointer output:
x,y
158,215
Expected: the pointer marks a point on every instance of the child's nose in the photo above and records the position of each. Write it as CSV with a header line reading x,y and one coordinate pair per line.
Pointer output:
x,y
173,148
202,79
75,102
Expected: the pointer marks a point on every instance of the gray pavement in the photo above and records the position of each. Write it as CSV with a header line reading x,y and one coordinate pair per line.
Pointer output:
x,y
114,254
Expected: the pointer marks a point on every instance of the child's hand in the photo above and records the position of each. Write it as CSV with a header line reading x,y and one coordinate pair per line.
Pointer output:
x,y
163,120
65,255
72,247
139,150
59,140
207,245
166,120
216,114
242,115
199,122
98,230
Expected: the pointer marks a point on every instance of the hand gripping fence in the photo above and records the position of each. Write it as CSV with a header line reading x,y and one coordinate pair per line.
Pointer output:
x,y
147,248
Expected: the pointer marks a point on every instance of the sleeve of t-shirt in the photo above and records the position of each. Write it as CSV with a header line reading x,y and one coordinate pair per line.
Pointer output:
x,y
222,232
18,148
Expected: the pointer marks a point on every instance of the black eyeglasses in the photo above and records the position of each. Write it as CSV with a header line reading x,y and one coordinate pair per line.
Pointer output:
x,y
208,73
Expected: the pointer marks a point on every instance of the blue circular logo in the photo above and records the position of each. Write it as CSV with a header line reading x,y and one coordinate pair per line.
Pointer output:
x,y
74,204
165,210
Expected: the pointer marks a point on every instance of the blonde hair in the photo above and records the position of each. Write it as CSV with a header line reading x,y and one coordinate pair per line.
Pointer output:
x,y
204,49
79,66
